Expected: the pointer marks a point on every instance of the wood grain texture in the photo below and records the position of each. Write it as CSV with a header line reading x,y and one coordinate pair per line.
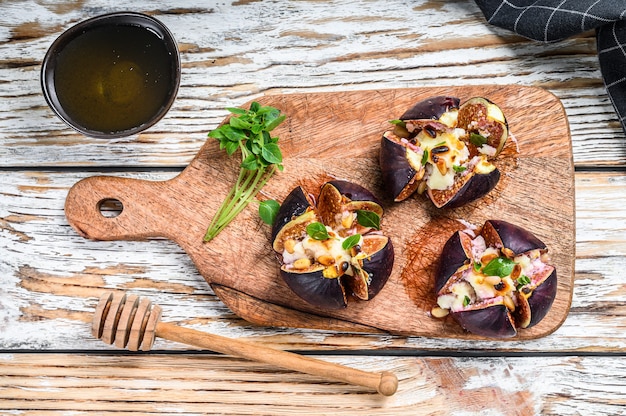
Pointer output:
x,y
337,135
217,385
305,46
51,278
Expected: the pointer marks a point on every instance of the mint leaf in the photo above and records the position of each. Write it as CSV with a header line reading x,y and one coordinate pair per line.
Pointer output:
x,y
271,153
249,131
351,241
268,210
317,231
477,139
523,280
368,218
500,266
466,300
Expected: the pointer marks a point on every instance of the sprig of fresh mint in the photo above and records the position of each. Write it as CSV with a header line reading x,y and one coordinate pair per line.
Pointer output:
x,y
249,132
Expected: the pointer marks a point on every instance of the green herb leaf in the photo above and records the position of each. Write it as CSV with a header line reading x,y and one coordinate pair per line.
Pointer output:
x,y
271,153
523,280
317,231
458,169
500,266
268,210
466,300
239,123
425,157
234,135
250,163
368,218
273,123
217,134
477,266
231,147
477,139
397,122
351,241
236,110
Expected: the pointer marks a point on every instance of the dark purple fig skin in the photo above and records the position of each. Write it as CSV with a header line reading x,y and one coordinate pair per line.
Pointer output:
x,y
311,285
511,236
476,187
353,191
486,321
493,321
327,293
379,267
542,298
431,108
316,289
452,257
394,167
295,204
397,173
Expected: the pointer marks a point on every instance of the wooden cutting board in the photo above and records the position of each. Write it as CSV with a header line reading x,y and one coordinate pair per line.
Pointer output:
x,y
337,135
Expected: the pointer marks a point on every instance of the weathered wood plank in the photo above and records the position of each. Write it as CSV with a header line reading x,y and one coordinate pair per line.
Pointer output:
x,y
320,47
201,384
50,277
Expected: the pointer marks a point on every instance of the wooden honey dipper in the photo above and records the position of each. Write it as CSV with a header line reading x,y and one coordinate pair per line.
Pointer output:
x,y
134,323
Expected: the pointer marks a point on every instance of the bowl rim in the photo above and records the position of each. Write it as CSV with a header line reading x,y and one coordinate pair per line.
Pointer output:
x,y
120,18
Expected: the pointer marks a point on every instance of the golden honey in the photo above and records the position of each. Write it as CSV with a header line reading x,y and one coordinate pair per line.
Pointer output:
x,y
113,78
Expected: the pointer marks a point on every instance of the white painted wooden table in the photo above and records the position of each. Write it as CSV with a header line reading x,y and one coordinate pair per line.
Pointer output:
x,y
231,53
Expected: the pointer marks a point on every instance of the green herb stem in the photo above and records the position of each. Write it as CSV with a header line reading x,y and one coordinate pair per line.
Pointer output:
x,y
247,187
248,131
238,204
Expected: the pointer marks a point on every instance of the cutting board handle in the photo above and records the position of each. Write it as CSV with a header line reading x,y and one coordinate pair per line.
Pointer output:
x,y
140,214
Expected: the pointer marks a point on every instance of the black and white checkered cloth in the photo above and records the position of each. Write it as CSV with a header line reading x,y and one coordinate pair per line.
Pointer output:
x,y
553,20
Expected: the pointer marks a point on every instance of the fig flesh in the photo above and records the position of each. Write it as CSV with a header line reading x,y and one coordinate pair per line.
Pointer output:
x,y
445,150
495,281
332,250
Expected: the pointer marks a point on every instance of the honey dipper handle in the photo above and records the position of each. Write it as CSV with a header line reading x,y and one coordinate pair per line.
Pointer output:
x,y
385,383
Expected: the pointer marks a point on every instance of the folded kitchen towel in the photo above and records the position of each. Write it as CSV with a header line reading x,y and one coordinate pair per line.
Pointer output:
x,y
553,20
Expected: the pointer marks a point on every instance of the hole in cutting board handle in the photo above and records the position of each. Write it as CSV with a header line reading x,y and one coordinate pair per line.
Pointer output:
x,y
110,207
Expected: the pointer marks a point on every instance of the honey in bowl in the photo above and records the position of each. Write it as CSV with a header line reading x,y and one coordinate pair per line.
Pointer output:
x,y
112,75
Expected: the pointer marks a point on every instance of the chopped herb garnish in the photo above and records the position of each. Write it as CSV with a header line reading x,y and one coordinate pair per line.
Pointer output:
x,y
523,280
425,157
477,139
398,122
477,266
248,131
458,169
268,210
351,241
500,266
368,218
317,231
466,300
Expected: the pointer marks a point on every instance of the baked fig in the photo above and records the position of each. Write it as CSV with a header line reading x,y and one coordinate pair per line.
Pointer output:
x,y
444,149
495,281
332,249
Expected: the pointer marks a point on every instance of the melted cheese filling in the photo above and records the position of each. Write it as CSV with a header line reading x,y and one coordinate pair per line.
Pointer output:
x,y
456,155
475,287
315,250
